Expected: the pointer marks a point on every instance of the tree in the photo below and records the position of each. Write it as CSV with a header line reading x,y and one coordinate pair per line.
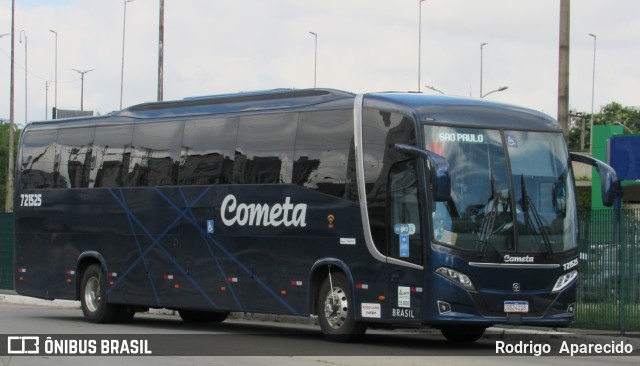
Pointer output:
x,y
4,157
611,114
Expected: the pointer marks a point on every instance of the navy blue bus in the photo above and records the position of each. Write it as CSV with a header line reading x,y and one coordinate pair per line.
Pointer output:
x,y
368,210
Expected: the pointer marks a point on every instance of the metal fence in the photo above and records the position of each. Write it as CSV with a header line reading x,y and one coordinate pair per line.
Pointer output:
x,y
609,288
6,251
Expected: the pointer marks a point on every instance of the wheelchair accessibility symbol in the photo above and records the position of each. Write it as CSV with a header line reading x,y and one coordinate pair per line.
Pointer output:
x,y
209,226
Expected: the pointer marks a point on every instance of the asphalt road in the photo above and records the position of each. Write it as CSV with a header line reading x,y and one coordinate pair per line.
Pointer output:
x,y
243,342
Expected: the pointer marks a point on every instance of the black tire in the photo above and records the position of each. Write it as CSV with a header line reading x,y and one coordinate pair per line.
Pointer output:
x,y
336,310
125,314
93,300
196,316
463,333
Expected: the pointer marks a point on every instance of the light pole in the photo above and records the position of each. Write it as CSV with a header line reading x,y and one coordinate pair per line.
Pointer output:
x,y
161,53
82,86
419,40
481,61
8,203
315,58
124,27
623,126
25,75
593,89
502,88
46,100
55,102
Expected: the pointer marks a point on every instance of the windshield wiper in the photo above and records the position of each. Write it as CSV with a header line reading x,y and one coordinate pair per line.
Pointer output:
x,y
489,220
527,203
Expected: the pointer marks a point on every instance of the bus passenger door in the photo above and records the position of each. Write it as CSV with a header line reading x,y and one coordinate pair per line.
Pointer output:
x,y
405,242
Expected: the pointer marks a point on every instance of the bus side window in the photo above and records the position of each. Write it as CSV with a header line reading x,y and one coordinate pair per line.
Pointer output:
x,y
323,143
113,153
38,165
76,156
404,213
155,154
208,150
264,152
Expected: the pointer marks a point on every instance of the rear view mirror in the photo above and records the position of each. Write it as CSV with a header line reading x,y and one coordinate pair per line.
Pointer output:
x,y
438,168
607,176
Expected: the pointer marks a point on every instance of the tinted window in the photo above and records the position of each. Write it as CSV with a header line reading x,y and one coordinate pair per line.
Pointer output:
x,y
208,151
264,152
155,154
75,146
38,164
404,213
323,142
381,130
113,154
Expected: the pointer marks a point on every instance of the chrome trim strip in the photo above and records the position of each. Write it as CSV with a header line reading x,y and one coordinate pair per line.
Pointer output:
x,y
362,193
513,265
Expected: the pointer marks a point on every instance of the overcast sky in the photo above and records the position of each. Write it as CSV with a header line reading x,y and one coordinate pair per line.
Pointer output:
x,y
222,46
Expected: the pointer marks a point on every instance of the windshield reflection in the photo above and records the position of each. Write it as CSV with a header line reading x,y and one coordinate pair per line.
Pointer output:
x,y
508,191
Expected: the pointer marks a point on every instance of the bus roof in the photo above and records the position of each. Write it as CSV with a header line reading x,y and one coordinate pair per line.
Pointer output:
x,y
431,108
461,112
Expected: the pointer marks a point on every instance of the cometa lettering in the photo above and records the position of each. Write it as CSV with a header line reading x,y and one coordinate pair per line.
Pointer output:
x,y
261,214
524,259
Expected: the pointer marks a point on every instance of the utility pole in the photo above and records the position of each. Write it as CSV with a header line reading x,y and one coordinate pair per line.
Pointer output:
x,y
563,67
8,203
161,51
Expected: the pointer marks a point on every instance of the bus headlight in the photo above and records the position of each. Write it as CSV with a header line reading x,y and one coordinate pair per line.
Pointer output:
x,y
456,277
564,281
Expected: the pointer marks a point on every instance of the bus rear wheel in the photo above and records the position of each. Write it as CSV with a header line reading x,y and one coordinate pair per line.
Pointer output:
x,y
95,307
463,334
336,312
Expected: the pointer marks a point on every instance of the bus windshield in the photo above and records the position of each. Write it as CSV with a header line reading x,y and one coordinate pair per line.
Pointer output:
x,y
510,191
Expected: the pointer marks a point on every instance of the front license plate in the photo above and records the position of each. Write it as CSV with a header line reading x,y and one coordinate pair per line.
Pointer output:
x,y
516,307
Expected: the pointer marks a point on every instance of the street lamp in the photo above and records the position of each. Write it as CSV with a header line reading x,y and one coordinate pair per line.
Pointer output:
x,y
25,74
82,86
315,58
481,56
419,40
55,103
124,25
623,126
502,88
46,100
593,88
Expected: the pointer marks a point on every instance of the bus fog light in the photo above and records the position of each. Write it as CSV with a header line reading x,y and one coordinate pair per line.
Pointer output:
x,y
444,307
564,281
458,278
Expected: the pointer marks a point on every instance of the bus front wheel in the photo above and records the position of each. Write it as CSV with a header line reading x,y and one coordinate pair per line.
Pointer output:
x,y
95,307
336,312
